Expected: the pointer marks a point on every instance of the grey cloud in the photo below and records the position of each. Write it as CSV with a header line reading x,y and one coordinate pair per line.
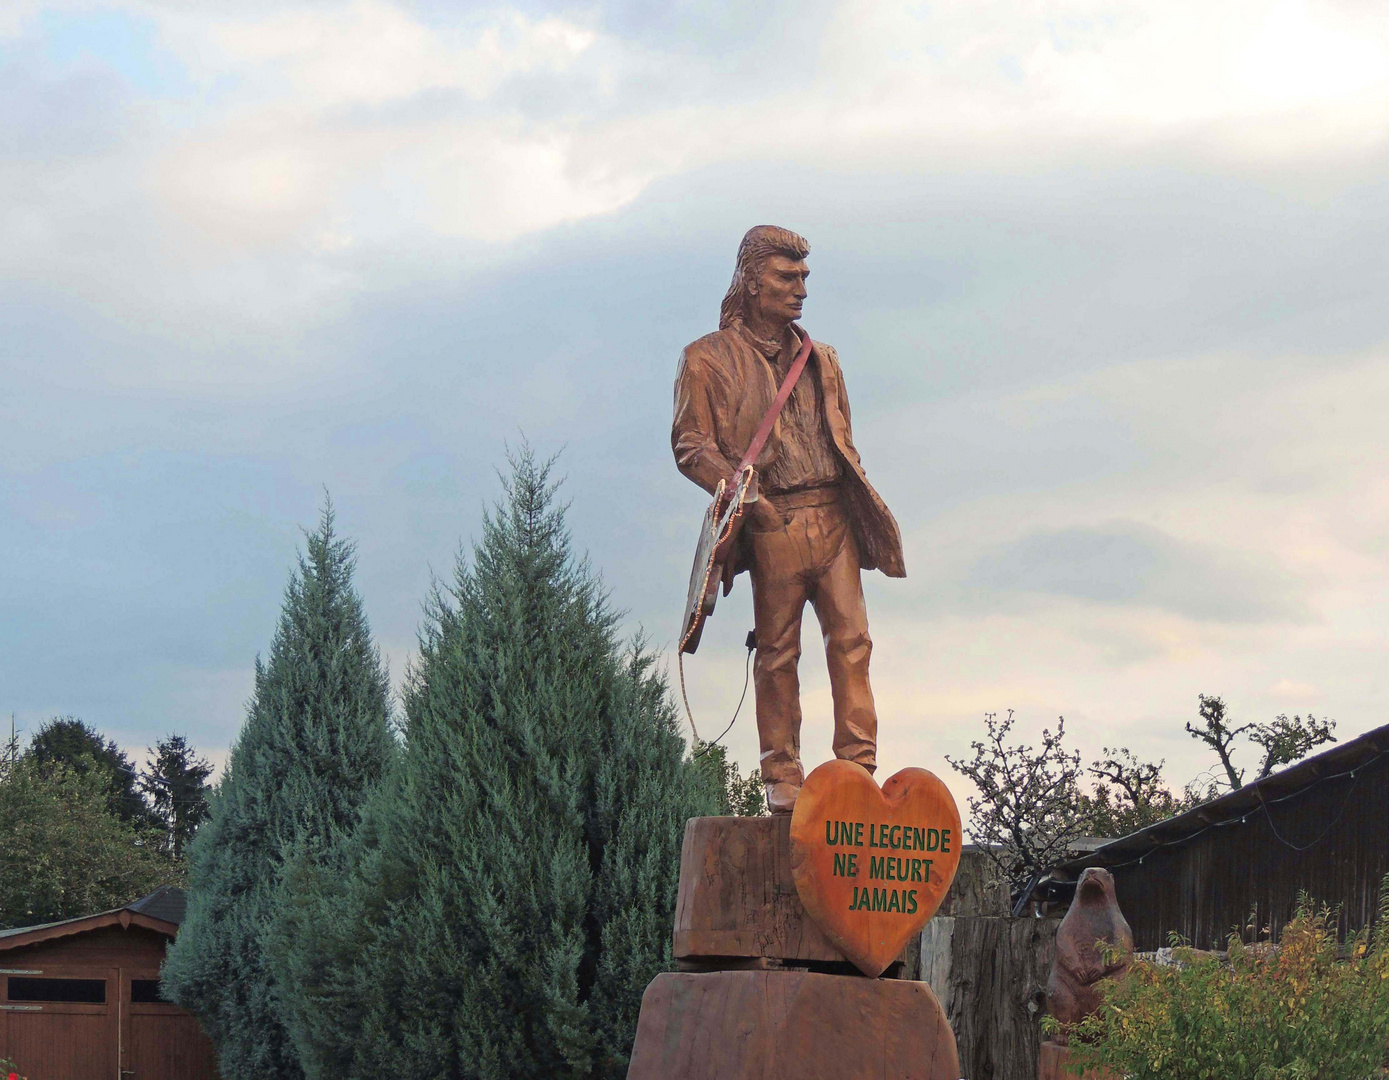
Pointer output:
x,y
1133,565
718,30
945,291
84,113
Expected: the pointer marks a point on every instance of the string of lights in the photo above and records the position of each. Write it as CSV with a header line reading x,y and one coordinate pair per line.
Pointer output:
x,y
1264,804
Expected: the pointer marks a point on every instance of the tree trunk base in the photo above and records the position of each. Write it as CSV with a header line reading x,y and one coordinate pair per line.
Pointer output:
x,y
750,1025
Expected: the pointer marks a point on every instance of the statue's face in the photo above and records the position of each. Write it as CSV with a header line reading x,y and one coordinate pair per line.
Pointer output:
x,y
779,292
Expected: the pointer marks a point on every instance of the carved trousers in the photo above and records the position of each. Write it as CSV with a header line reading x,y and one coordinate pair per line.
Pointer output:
x,y
814,558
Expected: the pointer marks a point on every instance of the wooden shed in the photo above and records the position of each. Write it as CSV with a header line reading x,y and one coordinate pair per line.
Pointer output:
x,y
79,999
1321,826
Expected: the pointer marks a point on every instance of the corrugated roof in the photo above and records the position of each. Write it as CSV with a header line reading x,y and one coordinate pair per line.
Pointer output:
x,y
1287,784
167,903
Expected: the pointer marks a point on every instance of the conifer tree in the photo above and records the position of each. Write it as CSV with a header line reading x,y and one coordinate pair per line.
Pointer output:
x,y
176,783
316,740
524,879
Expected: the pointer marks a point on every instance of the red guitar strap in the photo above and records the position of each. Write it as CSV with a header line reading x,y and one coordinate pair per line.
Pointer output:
x,y
782,396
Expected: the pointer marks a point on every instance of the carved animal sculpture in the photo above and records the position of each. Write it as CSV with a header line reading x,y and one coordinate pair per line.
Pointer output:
x,y
1094,916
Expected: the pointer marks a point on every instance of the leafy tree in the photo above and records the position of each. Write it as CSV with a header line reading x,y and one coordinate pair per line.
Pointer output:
x,y
316,740
1130,795
524,877
1030,807
63,853
1217,733
68,741
176,783
743,796
1283,741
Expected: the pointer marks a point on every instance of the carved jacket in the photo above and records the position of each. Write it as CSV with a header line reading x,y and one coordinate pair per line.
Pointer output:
x,y
724,387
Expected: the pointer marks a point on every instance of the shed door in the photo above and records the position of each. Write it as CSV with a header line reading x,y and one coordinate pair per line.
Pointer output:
x,y
60,1023
160,1041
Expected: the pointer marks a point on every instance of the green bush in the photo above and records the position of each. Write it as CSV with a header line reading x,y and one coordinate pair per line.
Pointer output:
x,y
1307,1008
64,852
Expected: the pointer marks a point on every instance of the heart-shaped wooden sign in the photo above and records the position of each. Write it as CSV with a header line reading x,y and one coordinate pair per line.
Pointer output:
x,y
872,864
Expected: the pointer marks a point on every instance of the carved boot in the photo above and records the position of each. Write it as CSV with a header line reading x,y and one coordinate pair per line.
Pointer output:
x,y
781,797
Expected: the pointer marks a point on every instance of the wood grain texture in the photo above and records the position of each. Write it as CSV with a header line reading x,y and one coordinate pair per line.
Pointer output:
x,y
737,898
979,888
990,976
752,1025
873,864
118,1040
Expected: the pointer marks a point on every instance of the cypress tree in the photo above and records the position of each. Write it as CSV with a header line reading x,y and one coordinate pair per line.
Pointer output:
x,y
525,876
316,740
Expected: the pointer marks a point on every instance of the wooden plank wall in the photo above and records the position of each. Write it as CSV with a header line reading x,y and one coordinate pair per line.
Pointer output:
x,y
1208,886
85,1042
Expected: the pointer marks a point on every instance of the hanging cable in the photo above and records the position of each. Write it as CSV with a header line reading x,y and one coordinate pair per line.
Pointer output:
x,y
1158,845
680,663
1329,826
705,747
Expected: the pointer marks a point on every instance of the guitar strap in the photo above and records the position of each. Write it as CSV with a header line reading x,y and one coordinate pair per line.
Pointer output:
x,y
778,403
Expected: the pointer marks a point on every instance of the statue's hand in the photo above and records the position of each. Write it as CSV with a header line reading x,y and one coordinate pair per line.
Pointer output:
x,y
762,516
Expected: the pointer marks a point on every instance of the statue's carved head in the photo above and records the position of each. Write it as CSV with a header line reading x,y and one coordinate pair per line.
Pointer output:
x,y
760,245
1096,886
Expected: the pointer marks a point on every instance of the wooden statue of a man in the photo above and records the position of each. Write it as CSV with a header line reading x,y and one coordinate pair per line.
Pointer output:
x,y
813,520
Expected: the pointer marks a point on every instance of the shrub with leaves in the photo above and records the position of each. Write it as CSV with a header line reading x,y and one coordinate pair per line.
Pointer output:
x,y
743,796
64,852
1307,1008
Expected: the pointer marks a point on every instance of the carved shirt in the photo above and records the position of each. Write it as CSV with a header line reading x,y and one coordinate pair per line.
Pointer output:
x,y
806,457
722,388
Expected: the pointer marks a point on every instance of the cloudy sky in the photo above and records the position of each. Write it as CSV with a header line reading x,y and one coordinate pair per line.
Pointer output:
x,y
1108,280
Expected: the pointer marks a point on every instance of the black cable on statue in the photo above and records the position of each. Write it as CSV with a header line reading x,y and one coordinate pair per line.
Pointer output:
x,y
747,672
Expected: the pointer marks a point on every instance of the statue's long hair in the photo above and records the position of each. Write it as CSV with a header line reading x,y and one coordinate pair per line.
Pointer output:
x,y
759,244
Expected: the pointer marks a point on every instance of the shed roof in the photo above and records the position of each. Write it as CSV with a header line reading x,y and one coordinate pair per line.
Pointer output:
x,y
168,902
162,910
1290,783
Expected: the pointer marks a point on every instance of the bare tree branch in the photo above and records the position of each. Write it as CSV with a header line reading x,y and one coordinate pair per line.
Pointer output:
x,y
1029,809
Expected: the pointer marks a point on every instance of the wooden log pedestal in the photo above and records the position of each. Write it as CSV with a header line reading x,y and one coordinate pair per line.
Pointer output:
x,y
761,993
